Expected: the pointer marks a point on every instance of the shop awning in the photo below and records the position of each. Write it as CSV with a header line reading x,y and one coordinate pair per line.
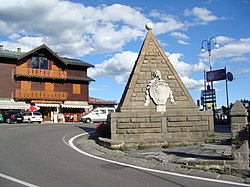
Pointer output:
x,y
75,104
11,104
47,105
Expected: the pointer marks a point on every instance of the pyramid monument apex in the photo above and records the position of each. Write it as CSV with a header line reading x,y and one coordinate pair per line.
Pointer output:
x,y
156,107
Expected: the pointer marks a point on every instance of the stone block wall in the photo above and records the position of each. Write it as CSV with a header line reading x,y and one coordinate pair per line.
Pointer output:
x,y
240,135
134,128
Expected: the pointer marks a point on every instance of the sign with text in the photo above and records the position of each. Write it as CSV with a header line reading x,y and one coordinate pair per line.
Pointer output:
x,y
208,99
216,75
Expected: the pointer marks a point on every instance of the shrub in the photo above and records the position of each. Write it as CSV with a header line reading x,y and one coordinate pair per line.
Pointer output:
x,y
103,130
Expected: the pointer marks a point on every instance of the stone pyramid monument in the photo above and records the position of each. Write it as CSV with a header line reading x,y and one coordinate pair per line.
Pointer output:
x,y
156,107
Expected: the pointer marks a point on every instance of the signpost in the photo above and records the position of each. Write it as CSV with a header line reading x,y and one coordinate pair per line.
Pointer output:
x,y
216,75
208,98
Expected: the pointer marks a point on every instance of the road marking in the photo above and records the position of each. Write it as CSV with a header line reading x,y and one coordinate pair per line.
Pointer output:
x,y
64,138
70,142
17,180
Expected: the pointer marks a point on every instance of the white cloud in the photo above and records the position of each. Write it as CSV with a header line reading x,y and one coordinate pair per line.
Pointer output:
x,y
179,35
182,68
71,29
224,39
233,49
239,59
99,88
192,84
167,23
243,71
118,67
201,14
25,43
182,42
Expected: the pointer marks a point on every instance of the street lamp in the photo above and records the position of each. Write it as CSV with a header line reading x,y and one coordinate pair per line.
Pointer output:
x,y
209,49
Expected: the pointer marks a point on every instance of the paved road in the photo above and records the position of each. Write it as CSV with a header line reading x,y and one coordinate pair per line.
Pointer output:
x,y
38,155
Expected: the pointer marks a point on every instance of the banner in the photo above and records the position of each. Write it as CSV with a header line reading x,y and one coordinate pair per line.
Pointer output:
x,y
216,75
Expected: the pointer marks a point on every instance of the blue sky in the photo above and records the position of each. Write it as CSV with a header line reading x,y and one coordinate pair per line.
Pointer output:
x,y
109,35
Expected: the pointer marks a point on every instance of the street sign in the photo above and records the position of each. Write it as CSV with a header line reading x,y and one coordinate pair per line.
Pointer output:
x,y
230,76
216,75
208,98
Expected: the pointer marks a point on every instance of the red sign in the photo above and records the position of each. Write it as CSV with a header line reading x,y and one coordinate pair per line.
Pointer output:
x,y
216,75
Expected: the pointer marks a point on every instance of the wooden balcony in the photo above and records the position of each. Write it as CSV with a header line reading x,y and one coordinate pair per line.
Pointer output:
x,y
42,73
44,95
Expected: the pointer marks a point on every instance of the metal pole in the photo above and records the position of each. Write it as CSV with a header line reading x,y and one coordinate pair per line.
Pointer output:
x,y
209,49
209,59
227,94
205,89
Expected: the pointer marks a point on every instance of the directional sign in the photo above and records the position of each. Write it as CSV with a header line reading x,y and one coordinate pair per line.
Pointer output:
x,y
216,75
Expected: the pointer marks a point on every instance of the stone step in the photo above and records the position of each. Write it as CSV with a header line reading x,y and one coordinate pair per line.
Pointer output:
x,y
221,138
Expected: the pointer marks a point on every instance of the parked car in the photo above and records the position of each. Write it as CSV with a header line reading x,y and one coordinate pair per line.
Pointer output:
x,y
12,117
97,115
31,117
1,118
221,117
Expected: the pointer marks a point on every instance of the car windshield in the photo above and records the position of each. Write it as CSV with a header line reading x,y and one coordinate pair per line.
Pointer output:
x,y
18,114
37,113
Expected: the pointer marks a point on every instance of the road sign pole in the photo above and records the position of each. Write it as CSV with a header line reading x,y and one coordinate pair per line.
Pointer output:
x,y
227,94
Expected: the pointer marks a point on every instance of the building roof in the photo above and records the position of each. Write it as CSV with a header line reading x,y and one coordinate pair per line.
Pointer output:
x,y
10,54
80,78
93,100
77,62
18,55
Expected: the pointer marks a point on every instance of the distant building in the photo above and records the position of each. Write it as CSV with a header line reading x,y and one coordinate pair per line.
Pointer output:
x,y
42,78
95,102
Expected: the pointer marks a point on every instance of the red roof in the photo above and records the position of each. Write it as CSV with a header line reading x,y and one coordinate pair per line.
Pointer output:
x,y
93,100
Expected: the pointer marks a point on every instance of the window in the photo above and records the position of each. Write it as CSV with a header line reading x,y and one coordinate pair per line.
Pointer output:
x,y
76,89
103,111
110,111
95,112
39,62
35,62
43,63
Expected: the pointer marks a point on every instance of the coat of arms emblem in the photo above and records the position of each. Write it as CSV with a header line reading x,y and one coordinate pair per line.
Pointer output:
x,y
158,90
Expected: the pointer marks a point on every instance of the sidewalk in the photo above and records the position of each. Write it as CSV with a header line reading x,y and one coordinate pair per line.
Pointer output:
x,y
206,160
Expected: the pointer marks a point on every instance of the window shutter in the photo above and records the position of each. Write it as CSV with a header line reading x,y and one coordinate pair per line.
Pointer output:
x,y
76,89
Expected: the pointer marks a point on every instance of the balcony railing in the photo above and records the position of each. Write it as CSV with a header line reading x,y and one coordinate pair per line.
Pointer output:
x,y
33,72
45,95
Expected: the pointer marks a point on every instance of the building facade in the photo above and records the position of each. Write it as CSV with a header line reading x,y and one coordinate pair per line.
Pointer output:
x,y
58,86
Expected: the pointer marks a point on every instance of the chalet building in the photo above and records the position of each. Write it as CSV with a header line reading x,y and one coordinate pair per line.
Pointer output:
x,y
57,85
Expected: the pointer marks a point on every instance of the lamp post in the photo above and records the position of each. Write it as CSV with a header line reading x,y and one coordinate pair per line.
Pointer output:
x,y
209,49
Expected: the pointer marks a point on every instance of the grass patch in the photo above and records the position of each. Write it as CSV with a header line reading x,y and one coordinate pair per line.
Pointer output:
x,y
142,146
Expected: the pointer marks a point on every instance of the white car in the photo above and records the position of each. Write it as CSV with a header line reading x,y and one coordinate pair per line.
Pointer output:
x,y
32,117
97,115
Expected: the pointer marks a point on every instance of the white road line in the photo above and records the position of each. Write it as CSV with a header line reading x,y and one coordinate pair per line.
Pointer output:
x,y
17,180
70,142
64,138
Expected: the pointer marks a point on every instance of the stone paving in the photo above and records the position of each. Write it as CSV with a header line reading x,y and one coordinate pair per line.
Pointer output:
x,y
205,160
